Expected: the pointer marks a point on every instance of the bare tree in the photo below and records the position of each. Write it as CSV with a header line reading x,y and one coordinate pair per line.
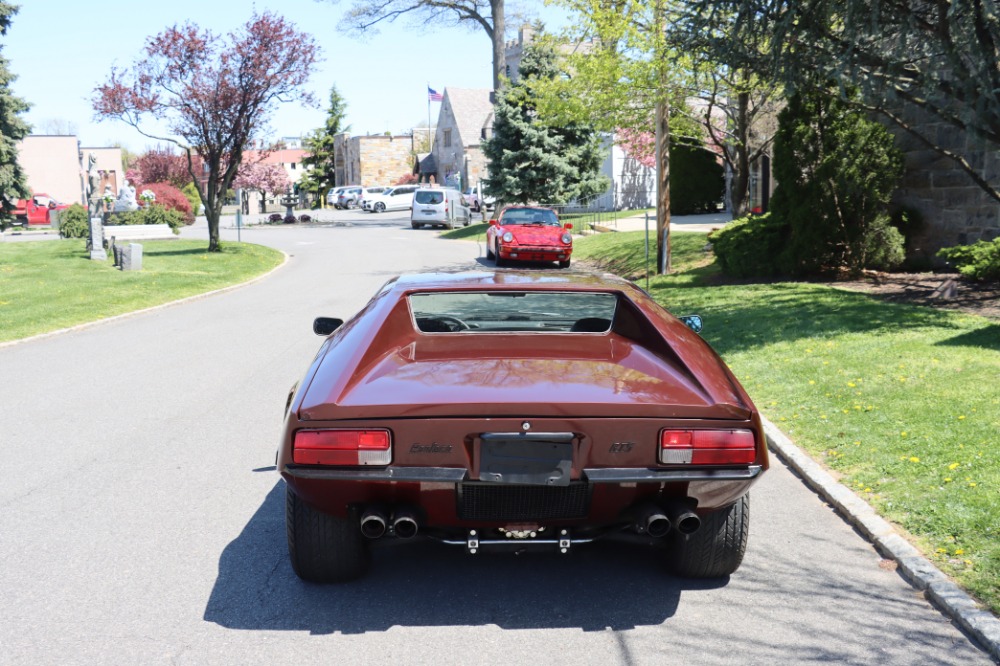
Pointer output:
x,y
364,16
57,127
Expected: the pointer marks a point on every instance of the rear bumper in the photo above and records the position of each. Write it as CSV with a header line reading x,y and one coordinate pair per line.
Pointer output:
x,y
458,474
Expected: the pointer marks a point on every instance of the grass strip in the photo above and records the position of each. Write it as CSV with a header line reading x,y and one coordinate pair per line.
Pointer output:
x,y
899,401
49,285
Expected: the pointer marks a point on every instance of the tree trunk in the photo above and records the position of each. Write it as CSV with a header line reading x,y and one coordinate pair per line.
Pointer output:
x,y
212,215
741,178
662,187
499,45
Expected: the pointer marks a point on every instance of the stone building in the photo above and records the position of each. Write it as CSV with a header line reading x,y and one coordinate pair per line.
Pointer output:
x,y
953,209
465,117
373,160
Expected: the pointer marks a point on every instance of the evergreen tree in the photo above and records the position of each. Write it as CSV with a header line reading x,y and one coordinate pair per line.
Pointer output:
x,y
531,161
836,171
13,183
320,144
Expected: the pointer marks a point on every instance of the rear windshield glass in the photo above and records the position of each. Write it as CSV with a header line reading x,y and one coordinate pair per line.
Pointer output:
x,y
513,311
529,216
429,198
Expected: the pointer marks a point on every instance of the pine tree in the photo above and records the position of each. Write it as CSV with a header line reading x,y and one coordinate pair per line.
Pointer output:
x,y
530,161
13,183
320,144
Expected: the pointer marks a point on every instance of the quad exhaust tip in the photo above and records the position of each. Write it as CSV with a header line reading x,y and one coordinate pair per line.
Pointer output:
x,y
684,519
652,521
404,524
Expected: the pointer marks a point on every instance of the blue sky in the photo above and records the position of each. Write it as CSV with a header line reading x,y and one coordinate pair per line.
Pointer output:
x,y
60,50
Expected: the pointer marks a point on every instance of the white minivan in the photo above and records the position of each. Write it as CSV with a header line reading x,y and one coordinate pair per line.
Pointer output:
x,y
439,206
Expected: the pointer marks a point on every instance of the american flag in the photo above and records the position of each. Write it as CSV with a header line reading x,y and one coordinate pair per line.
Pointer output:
x,y
434,95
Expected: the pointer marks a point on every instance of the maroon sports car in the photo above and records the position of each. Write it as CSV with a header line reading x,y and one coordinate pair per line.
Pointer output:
x,y
519,409
528,233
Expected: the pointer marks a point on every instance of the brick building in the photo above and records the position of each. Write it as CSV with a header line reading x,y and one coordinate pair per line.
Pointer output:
x,y
373,160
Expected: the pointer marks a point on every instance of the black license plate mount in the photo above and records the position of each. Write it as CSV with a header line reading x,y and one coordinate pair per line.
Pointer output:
x,y
540,459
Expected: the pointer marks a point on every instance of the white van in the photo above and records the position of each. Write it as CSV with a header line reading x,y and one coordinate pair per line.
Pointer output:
x,y
439,206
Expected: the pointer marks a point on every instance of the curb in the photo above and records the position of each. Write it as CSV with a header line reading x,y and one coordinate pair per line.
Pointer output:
x,y
187,299
916,569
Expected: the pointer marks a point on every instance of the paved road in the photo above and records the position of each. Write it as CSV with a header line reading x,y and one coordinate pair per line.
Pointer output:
x,y
141,520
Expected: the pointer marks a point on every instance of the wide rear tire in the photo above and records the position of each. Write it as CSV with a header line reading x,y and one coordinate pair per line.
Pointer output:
x,y
323,548
716,549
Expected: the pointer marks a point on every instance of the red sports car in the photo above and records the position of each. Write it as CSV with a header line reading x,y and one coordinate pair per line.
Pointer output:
x,y
519,409
528,233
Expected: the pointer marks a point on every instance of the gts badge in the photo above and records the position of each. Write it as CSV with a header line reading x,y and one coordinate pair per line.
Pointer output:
x,y
621,447
430,448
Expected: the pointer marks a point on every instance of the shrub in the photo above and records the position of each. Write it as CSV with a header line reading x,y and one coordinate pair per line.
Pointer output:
x,y
290,219
697,180
979,261
750,246
171,198
191,193
74,222
305,218
153,214
836,171
275,217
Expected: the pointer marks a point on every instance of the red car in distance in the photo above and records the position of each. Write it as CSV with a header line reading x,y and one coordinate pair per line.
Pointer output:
x,y
528,233
517,410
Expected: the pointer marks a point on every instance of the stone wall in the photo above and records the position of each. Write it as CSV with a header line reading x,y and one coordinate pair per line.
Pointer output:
x,y
372,160
954,210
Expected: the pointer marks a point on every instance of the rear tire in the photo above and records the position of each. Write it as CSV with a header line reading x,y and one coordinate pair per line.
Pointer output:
x,y
416,225
323,548
717,548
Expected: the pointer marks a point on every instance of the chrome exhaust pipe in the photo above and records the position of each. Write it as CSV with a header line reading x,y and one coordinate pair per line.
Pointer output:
x,y
373,523
684,519
404,524
652,521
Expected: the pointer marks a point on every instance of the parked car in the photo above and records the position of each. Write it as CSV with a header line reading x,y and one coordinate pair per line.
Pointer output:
x,y
485,410
477,200
366,195
439,207
36,211
528,233
349,197
333,195
399,197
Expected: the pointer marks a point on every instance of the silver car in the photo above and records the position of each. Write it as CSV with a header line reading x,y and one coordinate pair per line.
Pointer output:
x,y
439,207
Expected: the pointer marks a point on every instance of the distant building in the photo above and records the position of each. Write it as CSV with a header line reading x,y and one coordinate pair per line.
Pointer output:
x,y
290,159
373,160
465,119
56,165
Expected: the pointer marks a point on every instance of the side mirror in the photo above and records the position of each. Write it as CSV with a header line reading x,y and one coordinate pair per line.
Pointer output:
x,y
494,223
326,325
568,225
694,322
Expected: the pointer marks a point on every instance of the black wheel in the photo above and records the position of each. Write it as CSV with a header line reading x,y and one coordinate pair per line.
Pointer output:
x,y
489,252
379,207
716,548
416,225
564,264
323,548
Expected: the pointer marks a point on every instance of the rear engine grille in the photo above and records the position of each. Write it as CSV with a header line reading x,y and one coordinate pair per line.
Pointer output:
x,y
490,501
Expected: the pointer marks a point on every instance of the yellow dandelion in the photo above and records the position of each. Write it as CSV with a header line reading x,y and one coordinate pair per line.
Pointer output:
x,y
902,434
972,484
851,384
960,551
947,479
940,550
868,489
961,417
914,459
968,562
953,466
813,381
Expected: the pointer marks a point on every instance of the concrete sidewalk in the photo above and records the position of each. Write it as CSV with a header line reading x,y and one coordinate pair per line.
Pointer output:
x,y
702,223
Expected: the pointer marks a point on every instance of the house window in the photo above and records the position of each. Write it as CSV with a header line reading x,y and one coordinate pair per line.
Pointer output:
x,y
447,138
293,165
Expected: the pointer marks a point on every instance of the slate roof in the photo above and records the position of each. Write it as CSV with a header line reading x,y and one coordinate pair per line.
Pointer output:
x,y
471,108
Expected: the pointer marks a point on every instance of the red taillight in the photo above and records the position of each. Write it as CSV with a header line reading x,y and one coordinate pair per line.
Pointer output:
x,y
342,447
707,447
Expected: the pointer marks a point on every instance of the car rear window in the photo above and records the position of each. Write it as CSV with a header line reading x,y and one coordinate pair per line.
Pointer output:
x,y
429,198
529,216
513,311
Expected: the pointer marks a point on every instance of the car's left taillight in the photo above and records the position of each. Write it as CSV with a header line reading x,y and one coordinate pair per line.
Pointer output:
x,y
342,447
707,447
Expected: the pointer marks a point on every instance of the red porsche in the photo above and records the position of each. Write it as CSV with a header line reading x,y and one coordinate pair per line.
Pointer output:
x,y
518,409
528,233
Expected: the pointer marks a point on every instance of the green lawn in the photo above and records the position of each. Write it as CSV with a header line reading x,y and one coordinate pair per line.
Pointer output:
x,y
48,285
899,401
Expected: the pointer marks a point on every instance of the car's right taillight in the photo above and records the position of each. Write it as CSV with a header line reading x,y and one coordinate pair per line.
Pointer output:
x,y
342,447
707,447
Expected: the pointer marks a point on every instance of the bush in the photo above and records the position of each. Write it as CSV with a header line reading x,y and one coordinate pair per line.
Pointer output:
x,y
697,180
836,171
152,214
275,217
305,218
290,219
171,198
979,261
74,222
191,193
750,246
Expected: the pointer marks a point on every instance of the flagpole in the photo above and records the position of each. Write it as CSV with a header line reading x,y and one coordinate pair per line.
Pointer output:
x,y
429,144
